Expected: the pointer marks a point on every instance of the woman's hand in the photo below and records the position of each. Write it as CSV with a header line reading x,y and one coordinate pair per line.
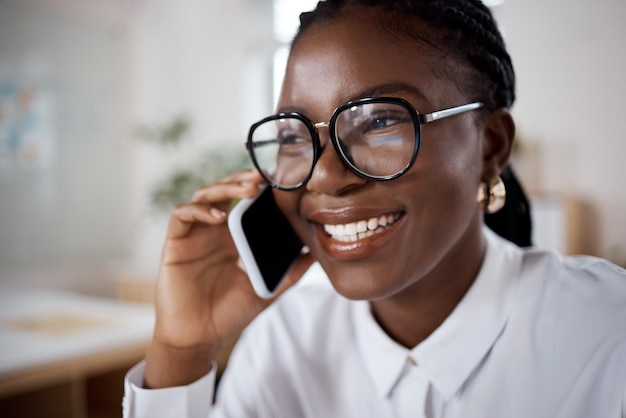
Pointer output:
x,y
203,298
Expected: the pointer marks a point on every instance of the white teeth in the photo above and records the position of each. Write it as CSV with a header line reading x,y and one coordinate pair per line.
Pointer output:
x,y
362,229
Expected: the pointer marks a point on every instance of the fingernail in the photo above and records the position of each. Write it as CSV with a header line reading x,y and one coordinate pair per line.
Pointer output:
x,y
217,213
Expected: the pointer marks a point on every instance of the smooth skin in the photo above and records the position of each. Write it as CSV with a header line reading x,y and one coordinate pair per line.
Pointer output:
x,y
414,273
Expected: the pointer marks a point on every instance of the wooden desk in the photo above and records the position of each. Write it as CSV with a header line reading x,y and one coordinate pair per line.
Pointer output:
x,y
65,355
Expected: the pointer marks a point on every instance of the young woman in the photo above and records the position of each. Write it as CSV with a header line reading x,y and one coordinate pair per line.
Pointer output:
x,y
425,312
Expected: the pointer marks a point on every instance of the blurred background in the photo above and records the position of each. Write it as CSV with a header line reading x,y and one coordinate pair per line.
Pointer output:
x,y
113,110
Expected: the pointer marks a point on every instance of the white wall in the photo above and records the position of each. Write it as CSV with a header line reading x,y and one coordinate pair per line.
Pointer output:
x,y
68,206
570,59
110,66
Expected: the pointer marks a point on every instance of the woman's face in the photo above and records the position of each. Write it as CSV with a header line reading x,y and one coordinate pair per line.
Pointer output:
x,y
435,220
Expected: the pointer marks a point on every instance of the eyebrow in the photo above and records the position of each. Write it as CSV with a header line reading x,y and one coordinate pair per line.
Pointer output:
x,y
385,89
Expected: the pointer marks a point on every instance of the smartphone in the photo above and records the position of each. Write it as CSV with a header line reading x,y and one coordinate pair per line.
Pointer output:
x,y
266,242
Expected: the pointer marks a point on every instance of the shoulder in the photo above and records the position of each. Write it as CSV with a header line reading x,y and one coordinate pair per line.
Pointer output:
x,y
566,318
580,277
298,335
572,297
285,349
308,316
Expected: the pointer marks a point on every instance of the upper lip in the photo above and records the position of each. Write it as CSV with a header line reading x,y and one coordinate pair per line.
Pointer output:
x,y
347,214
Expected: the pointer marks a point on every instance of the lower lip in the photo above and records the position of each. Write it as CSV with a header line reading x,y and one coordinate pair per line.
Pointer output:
x,y
361,248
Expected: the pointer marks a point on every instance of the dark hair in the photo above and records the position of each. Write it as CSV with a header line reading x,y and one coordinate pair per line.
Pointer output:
x,y
465,31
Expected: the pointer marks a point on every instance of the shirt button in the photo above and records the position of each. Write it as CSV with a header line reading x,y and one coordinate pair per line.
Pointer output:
x,y
412,361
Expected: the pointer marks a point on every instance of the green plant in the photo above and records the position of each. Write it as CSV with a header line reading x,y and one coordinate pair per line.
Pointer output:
x,y
207,168
171,133
181,185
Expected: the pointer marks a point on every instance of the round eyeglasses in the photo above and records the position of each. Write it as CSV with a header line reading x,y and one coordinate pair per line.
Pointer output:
x,y
376,137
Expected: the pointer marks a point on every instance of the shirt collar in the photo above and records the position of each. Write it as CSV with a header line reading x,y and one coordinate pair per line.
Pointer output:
x,y
384,358
450,354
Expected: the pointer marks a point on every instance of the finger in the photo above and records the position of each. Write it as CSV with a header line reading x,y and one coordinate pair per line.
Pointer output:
x,y
186,215
250,175
223,192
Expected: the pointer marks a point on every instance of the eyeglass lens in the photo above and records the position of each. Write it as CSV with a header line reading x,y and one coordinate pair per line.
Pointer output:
x,y
376,139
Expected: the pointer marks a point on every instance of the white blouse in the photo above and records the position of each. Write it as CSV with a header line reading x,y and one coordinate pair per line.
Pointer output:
x,y
537,335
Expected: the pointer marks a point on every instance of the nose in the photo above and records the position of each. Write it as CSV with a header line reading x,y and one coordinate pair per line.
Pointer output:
x,y
331,176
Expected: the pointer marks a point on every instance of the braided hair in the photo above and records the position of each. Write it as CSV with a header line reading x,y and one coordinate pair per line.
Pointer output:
x,y
466,33
463,30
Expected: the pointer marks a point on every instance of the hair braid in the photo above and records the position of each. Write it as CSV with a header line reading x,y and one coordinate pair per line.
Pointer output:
x,y
496,63
463,28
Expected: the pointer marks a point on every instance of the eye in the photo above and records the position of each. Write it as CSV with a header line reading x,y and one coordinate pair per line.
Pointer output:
x,y
387,120
292,139
383,122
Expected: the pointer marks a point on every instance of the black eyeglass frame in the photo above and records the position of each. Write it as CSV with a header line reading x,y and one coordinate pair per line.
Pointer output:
x,y
313,128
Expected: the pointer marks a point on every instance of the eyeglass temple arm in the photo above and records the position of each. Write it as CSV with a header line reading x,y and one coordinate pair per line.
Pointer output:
x,y
446,113
261,143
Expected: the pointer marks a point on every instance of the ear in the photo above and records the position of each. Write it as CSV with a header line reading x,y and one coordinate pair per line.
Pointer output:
x,y
499,136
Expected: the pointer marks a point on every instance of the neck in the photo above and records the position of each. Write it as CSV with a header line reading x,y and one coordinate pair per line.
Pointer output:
x,y
410,316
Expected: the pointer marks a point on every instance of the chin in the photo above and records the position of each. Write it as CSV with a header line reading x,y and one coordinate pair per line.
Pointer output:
x,y
360,284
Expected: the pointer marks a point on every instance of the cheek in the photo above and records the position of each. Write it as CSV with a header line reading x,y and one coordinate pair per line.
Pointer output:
x,y
448,173
452,156
288,203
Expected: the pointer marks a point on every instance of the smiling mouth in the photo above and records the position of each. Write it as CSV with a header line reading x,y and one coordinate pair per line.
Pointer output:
x,y
355,231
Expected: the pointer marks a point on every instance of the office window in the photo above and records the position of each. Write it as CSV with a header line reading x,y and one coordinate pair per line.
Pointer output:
x,y
286,22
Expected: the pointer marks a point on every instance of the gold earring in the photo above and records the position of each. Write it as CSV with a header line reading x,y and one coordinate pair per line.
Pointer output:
x,y
491,196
